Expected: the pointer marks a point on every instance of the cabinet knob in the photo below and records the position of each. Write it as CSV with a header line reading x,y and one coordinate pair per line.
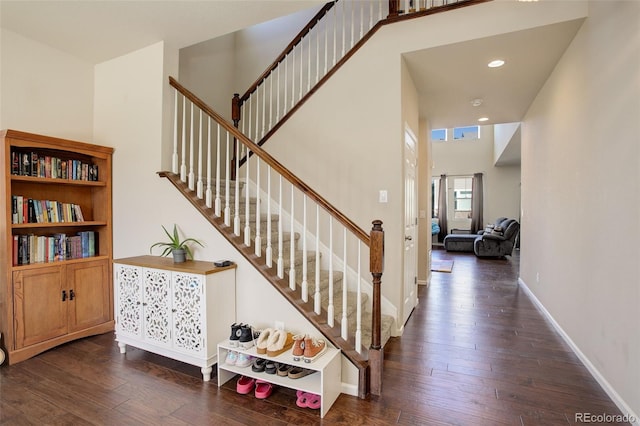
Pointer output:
x,y
71,294
64,295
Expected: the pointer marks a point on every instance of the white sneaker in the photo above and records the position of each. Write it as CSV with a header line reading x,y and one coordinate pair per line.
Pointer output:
x,y
232,358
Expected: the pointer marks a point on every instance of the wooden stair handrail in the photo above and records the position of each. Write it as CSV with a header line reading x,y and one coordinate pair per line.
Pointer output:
x,y
237,100
323,11
275,164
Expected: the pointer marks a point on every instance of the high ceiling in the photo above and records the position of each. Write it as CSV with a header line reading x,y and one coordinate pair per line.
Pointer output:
x,y
448,78
99,30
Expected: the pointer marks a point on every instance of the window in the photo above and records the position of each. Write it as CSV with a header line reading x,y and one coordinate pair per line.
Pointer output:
x,y
466,133
439,135
462,197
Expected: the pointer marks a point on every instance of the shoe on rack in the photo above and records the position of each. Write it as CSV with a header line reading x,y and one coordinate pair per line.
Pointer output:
x,y
263,389
282,341
308,400
258,365
232,358
313,348
283,369
244,360
298,346
263,340
235,335
271,367
299,372
245,341
245,385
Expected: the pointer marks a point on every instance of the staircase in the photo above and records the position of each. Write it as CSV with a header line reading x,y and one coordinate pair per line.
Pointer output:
x,y
310,251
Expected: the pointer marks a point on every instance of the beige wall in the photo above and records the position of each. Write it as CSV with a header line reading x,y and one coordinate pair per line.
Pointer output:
x,y
581,196
44,90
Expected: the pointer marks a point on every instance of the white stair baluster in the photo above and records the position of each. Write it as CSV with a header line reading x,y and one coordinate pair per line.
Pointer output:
x,y
236,208
278,96
199,186
271,100
305,283
293,77
280,244
359,304
258,240
247,218
342,3
285,83
344,322
208,193
317,52
330,309
227,183
217,202
264,106
174,156
301,68
192,178
256,137
353,23
292,246
309,64
269,250
361,19
246,153
183,160
326,46
335,33
316,297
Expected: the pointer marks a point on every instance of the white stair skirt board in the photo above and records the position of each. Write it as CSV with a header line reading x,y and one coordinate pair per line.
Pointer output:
x,y
632,417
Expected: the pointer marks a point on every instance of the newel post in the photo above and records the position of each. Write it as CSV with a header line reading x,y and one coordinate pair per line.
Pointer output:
x,y
393,8
376,266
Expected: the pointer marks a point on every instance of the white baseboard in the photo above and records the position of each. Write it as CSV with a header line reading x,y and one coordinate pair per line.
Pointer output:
x,y
423,282
632,417
349,389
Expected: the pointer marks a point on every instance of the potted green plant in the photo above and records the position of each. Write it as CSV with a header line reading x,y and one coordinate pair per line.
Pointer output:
x,y
179,248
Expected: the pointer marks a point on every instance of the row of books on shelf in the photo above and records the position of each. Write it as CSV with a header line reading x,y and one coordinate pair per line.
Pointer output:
x,y
28,210
30,248
47,166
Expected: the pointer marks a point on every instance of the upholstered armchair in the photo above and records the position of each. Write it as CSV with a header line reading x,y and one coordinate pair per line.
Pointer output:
x,y
498,240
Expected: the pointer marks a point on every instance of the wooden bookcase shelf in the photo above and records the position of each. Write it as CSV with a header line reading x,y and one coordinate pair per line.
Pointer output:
x,y
47,300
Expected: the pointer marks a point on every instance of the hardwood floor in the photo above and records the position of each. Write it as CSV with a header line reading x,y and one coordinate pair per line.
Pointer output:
x,y
475,352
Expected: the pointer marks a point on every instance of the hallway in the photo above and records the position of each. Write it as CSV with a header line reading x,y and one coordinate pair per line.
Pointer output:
x,y
477,351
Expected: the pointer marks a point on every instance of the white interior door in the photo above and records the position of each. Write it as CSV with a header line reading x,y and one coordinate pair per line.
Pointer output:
x,y
410,295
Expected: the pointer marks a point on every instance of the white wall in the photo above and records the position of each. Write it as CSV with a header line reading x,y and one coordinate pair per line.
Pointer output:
x,y
44,90
581,196
466,157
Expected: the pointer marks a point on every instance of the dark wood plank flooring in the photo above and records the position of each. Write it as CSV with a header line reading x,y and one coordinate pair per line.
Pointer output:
x,y
475,352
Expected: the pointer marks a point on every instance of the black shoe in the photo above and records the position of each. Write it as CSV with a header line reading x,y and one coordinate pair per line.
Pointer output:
x,y
235,335
258,365
245,341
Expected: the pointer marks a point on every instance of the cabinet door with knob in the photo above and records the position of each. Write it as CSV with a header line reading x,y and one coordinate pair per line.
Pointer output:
x,y
40,304
59,300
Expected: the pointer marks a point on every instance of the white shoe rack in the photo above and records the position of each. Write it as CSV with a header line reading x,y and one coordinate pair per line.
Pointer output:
x,y
326,380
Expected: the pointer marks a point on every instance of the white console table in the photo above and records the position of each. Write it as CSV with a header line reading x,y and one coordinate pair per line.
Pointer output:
x,y
178,310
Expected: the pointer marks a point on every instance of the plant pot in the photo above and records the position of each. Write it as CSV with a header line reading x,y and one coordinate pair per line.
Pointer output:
x,y
179,255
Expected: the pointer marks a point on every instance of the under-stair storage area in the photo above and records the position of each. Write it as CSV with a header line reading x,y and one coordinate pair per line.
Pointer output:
x,y
177,310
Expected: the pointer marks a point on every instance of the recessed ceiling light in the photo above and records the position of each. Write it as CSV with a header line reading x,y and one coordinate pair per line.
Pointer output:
x,y
483,119
495,63
476,102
